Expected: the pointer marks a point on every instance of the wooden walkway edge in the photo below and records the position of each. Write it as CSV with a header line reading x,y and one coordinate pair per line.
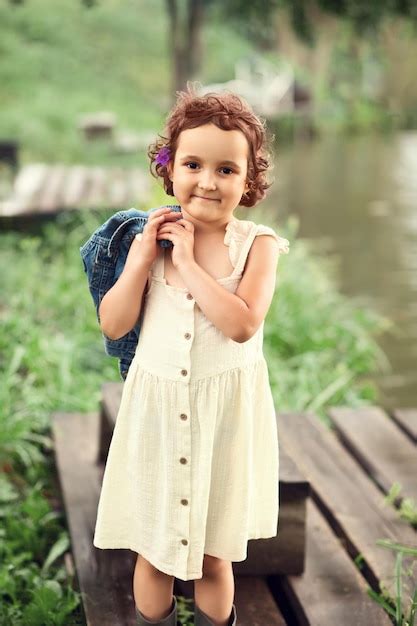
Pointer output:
x,y
345,517
41,188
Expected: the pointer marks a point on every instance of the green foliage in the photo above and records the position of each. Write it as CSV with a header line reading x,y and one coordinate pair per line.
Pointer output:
x,y
50,347
320,344
55,67
367,16
407,506
394,606
34,588
254,16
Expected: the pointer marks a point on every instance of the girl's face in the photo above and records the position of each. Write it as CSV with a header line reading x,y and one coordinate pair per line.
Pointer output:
x,y
209,172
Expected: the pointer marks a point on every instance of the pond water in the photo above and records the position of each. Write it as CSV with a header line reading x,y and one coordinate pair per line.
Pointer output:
x,y
357,197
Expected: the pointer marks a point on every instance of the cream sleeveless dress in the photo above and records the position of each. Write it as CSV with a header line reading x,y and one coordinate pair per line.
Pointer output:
x,y
192,468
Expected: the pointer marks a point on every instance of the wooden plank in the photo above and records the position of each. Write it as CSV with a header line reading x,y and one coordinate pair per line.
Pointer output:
x,y
111,396
255,606
88,184
104,576
97,192
26,188
331,589
73,186
381,448
41,188
348,498
407,421
118,195
139,186
49,200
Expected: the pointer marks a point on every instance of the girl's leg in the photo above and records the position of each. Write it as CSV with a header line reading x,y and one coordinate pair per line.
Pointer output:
x,y
152,590
214,592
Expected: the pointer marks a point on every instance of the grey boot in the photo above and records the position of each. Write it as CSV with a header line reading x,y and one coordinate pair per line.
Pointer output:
x,y
169,620
201,619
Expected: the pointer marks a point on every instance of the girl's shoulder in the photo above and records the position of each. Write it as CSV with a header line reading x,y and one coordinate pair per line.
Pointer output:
x,y
238,231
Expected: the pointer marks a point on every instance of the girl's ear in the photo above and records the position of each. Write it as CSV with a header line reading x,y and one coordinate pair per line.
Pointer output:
x,y
169,170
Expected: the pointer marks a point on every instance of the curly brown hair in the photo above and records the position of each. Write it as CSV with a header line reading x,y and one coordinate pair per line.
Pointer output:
x,y
227,111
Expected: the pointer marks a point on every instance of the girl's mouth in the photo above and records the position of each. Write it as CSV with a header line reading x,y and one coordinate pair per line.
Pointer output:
x,y
204,198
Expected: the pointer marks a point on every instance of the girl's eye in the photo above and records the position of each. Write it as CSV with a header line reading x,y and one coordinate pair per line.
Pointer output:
x,y
194,163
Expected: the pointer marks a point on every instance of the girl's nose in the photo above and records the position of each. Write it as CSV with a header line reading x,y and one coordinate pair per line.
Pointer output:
x,y
206,181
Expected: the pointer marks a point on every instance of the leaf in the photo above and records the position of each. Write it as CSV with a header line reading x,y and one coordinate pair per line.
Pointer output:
x,y
59,547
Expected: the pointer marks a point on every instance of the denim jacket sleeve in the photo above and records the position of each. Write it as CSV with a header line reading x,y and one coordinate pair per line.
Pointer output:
x,y
104,255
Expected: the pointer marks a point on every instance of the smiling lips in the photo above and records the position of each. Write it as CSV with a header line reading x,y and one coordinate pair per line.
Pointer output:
x,y
204,198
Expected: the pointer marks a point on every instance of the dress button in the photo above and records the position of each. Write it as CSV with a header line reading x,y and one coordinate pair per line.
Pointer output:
x,y
185,502
183,416
187,335
183,460
189,296
184,542
184,372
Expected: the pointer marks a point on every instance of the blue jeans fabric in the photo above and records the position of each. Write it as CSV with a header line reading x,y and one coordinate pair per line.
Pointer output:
x,y
104,256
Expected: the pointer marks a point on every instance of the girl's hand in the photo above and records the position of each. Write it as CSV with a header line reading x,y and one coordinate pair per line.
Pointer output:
x,y
148,243
181,233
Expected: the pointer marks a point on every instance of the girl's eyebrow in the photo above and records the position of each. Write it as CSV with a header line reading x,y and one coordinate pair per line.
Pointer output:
x,y
197,158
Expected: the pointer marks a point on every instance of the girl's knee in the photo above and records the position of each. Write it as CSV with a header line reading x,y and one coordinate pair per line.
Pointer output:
x,y
154,570
213,565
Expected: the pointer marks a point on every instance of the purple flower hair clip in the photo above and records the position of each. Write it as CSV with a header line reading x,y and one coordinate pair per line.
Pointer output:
x,y
163,156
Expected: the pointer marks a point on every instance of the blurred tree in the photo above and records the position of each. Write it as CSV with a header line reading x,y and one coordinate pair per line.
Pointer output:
x,y
186,39
255,19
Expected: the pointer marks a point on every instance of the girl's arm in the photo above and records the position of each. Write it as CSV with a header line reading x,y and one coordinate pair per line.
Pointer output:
x,y
121,306
237,315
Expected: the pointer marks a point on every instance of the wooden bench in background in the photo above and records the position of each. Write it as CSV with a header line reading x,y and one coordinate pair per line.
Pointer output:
x,y
332,486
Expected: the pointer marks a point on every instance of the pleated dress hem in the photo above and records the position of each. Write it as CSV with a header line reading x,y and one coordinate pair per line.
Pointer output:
x,y
165,569
171,571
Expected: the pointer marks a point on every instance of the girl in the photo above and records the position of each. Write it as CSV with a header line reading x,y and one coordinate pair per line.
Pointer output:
x,y
192,469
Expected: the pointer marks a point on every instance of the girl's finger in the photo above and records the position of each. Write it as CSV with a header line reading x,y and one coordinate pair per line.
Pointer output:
x,y
160,211
185,223
169,224
151,225
155,215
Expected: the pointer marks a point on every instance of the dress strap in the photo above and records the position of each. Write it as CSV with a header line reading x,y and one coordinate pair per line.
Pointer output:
x,y
283,244
252,230
245,245
157,267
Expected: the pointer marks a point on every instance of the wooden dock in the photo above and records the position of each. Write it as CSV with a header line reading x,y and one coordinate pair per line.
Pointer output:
x,y
41,189
325,557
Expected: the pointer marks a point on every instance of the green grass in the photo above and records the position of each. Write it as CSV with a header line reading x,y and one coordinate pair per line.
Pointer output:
x,y
59,64
321,345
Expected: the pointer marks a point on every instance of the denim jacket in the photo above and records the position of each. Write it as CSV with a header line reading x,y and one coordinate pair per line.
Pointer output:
x,y
104,255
